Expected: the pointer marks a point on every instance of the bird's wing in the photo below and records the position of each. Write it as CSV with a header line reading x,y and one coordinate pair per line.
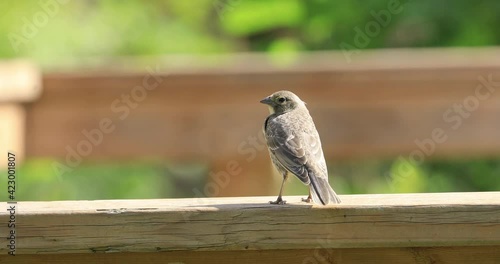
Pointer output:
x,y
316,159
291,148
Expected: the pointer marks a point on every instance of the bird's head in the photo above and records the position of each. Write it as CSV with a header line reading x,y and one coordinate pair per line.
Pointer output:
x,y
282,102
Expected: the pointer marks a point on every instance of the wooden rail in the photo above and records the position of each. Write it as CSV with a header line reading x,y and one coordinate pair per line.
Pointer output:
x,y
395,228
379,105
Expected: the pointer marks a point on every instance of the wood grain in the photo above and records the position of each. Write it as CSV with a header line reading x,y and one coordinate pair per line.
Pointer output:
x,y
250,223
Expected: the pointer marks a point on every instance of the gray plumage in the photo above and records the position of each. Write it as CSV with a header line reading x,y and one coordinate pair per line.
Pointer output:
x,y
294,146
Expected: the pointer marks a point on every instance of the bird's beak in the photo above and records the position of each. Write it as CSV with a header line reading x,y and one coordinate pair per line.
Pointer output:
x,y
267,101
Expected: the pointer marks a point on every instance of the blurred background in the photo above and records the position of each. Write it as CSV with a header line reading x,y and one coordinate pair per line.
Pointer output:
x,y
159,99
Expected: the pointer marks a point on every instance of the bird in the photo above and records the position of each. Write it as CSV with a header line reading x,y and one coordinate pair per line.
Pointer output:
x,y
295,147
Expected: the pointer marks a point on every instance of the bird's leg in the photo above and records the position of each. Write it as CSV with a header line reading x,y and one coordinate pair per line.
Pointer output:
x,y
280,200
308,199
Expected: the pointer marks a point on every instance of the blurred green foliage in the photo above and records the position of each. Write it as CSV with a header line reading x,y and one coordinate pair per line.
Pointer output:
x,y
386,176
53,32
36,179
76,29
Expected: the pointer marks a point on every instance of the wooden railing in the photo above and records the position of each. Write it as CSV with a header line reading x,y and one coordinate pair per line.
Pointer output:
x,y
397,228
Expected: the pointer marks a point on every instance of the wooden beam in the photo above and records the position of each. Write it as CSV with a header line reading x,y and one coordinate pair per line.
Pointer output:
x,y
376,106
229,224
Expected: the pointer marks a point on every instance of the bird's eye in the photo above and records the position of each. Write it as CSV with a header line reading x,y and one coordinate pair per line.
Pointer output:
x,y
281,99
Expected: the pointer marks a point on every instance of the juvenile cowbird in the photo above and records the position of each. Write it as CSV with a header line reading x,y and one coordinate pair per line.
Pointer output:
x,y
294,146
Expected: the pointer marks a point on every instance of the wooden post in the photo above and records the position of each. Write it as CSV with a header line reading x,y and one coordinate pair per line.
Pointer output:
x,y
20,81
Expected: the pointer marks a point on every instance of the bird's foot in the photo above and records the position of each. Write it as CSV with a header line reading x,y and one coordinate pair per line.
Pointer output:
x,y
307,200
278,201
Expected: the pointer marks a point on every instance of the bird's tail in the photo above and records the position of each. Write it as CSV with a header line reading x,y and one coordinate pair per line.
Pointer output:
x,y
322,192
